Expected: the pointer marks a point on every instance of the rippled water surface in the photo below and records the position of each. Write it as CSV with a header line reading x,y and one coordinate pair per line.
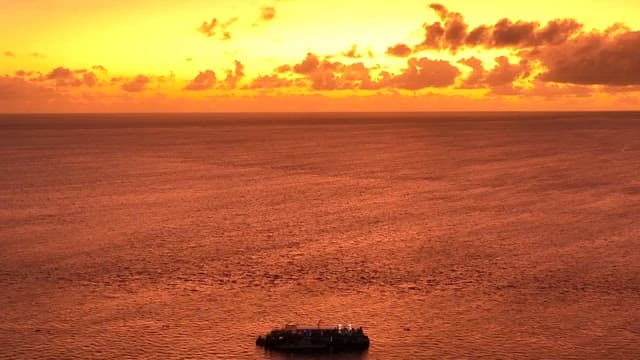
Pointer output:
x,y
444,235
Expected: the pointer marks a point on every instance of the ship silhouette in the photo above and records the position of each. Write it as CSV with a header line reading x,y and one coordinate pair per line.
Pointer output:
x,y
294,338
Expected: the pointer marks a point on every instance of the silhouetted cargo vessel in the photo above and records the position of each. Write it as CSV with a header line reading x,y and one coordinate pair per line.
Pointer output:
x,y
295,338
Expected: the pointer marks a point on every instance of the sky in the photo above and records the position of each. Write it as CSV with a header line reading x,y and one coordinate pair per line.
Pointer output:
x,y
331,55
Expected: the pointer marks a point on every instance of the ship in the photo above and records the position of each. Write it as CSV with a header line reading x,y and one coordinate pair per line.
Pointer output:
x,y
294,338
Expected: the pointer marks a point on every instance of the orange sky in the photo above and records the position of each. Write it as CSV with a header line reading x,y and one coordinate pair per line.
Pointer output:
x,y
302,55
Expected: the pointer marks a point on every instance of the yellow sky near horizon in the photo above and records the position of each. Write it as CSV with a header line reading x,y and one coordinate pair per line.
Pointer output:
x,y
159,38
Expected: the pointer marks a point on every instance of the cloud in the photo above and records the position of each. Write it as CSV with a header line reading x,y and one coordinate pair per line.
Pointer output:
x,y
505,73
322,74
477,75
308,65
555,90
89,79
452,33
608,58
283,68
9,54
352,53
478,36
203,81
165,78
207,79
327,75
99,68
268,13
233,76
399,50
12,88
20,95
270,82
433,36
500,79
423,73
566,53
210,29
64,77
38,55
455,29
512,34
440,10
226,35
23,73
358,76
136,84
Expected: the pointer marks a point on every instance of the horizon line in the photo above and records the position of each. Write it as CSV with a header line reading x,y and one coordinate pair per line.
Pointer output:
x,y
322,112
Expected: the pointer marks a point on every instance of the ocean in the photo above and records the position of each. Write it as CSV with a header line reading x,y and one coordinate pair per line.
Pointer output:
x,y
444,235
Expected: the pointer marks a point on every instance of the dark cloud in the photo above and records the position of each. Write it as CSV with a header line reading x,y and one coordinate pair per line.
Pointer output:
x,y
557,32
509,34
9,54
478,36
205,80
608,58
566,53
451,32
137,84
399,50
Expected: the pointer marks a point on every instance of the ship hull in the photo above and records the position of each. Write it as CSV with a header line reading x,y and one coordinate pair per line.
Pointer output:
x,y
308,342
